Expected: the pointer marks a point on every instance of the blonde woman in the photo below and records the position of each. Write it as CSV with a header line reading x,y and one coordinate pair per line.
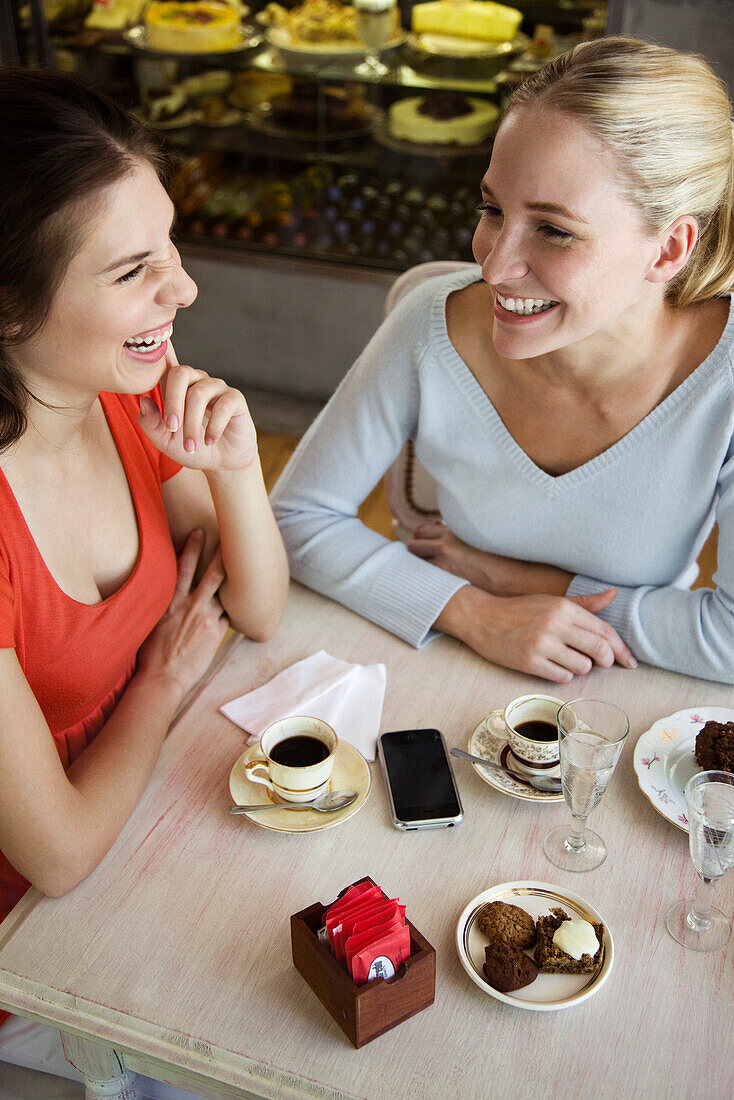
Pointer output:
x,y
572,396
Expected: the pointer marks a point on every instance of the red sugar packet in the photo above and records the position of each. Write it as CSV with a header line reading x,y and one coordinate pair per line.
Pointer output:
x,y
376,913
361,907
382,958
375,932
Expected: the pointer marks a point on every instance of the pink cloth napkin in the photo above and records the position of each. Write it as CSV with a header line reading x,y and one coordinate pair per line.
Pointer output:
x,y
347,697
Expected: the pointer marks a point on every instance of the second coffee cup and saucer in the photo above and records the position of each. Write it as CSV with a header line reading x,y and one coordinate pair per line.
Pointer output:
x,y
520,740
262,774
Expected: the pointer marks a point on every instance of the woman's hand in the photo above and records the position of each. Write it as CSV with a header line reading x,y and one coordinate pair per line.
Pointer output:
x,y
494,573
554,637
206,424
184,642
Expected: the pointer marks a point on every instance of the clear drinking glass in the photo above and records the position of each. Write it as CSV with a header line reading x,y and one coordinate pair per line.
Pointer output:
x,y
695,922
375,25
591,734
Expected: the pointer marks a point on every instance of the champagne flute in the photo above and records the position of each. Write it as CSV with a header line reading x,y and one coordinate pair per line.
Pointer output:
x,y
375,24
696,922
591,734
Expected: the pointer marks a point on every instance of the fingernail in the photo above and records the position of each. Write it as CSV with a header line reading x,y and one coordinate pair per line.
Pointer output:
x,y
632,663
189,445
208,440
172,422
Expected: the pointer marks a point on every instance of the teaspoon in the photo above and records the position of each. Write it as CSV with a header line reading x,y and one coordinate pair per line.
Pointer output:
x,y
539,782
325,804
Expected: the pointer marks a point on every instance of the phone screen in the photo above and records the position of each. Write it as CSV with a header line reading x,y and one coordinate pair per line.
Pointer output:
x,y
419,775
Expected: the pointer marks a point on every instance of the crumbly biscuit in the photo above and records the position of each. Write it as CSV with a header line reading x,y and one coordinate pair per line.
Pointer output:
x,y
507,967
715,746
550,958
504,923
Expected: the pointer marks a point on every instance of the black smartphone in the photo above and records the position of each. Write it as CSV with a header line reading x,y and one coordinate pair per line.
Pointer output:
x,y
419,780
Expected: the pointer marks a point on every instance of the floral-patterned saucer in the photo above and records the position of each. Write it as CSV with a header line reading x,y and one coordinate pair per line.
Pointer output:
x,y
664,759
490,741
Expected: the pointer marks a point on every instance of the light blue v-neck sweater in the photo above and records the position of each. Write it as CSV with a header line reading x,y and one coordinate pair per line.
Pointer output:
x,y
635,516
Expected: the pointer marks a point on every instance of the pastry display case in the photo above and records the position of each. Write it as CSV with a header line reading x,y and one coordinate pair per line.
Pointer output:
x,y
345,132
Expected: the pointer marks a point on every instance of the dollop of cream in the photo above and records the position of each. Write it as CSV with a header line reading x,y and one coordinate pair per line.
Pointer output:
x,y
576,938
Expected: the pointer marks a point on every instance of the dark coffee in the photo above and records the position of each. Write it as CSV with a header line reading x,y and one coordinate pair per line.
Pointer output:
x,y
537,730
299,752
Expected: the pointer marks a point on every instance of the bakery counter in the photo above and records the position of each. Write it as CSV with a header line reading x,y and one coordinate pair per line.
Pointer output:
x,y
380,215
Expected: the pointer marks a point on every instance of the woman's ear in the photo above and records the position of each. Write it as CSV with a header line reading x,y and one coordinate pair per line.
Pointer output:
x,y
676,245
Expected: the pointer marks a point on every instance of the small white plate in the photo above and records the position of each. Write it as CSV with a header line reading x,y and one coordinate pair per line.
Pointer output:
x,y
664,759
351,773
281,38
548,992
486,742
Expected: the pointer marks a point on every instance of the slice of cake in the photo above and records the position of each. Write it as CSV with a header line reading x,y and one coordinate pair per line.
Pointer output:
x,y
560,949
715,746
467,19
442,118
195,26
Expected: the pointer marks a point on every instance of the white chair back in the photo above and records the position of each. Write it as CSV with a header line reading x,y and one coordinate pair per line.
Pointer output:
x,y
411,491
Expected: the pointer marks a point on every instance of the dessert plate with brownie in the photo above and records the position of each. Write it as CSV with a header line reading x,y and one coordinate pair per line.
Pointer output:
x,y
534,945
675,748
489,740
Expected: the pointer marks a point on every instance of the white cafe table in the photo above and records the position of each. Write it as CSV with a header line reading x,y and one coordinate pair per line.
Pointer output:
x,y
176,950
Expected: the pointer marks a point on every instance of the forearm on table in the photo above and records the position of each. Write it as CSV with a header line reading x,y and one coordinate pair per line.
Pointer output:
x,y
108,779
255,591
503,576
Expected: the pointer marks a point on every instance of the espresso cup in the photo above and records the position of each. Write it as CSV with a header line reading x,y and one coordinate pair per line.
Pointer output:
x,y
297,758
532,733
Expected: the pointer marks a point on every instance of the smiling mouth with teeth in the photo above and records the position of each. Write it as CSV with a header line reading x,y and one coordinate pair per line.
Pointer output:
x,y
148,343
525,306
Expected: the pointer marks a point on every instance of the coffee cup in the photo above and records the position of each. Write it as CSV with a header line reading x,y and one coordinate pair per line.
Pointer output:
x,y
532,733
297,758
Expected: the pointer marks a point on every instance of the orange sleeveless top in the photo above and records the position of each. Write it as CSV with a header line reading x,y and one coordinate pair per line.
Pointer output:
x,y
79,658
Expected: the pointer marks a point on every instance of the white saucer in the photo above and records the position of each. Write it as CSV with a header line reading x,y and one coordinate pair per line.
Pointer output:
x,y
548,992
485,742
664,759
351,772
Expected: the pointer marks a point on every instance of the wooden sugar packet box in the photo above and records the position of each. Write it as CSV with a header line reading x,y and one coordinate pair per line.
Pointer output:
x,y
362,1011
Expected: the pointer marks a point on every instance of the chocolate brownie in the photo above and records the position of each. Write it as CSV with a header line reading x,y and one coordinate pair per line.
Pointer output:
x,y
550,958
507,968
504,923
715,746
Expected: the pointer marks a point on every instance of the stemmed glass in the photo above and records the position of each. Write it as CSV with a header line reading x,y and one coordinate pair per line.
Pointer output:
x,y
591,734
375,25
696,922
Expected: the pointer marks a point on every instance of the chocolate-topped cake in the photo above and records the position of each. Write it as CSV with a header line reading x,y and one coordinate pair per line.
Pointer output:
x,y
715,746
442,118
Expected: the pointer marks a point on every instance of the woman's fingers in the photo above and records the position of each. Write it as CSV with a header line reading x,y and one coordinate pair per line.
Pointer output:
x,y
187,563
429,530
594,603
212,577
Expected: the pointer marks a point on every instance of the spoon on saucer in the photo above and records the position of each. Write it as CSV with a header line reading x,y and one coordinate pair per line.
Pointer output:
x,y
325,804
541,783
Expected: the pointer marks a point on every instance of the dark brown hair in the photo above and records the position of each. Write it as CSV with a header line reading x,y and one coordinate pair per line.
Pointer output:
x,y
60,143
